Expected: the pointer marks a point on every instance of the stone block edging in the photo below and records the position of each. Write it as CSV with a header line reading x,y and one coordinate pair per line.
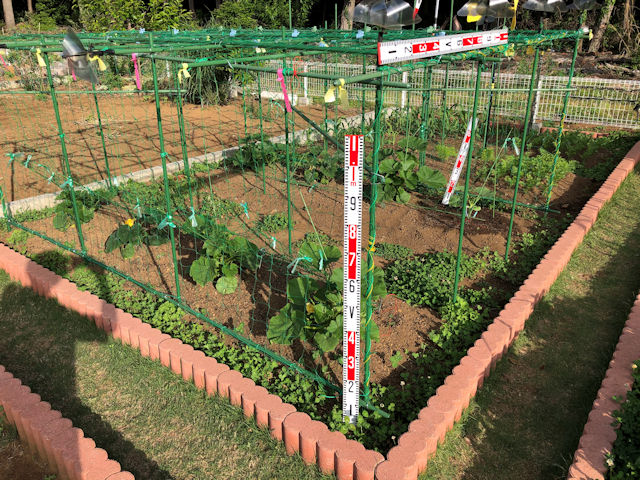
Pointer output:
x,y
331,451
54,438
599,432
445,407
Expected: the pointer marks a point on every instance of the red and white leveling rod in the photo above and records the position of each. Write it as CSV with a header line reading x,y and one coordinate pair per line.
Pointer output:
x,y
457,168
353,168
415,48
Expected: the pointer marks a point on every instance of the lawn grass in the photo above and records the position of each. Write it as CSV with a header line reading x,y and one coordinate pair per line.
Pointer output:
x,y
148,419
526,421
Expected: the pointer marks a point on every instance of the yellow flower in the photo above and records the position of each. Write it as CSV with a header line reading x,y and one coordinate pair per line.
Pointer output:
x,y
310,308
130,222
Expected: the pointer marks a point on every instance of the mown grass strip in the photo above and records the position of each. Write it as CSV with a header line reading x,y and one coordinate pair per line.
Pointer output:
x,y
526,421
148,419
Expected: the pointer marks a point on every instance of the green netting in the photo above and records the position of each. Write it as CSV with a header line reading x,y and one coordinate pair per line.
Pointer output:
x,y
202,188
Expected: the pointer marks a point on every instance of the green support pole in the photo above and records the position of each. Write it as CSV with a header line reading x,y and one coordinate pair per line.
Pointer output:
x,y
523,147
565,103
65,156
490,106
444,102
288,157
377,142
183,135
163,156
264,182
104,147
426,101
290,18
465,196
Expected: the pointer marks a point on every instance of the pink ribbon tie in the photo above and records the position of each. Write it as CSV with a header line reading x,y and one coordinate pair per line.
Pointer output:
x,y
284,90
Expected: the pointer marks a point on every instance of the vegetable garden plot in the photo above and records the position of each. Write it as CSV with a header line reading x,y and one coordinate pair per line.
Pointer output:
x,y
238,252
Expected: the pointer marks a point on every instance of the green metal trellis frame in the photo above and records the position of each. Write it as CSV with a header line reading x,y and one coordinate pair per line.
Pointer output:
x,y
237,52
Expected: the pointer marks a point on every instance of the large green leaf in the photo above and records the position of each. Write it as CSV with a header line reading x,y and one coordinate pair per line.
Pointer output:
x,y
85,214
227,285
403,196
202,270
112,242
155,239
328,340
431,177
337,277
286,326
387,166
61,221
230,270
320,256
298,290
128,251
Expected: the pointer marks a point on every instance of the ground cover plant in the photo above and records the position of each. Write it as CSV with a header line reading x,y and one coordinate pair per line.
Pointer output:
x,y
624,459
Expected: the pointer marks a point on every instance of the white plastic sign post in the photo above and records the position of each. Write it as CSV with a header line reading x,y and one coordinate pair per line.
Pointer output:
x,y
457,167
416,48
353,168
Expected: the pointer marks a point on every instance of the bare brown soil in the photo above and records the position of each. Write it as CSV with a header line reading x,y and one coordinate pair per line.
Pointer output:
x,y
130,127
424,226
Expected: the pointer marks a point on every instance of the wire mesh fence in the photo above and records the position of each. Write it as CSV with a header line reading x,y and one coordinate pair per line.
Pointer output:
x,y
593,101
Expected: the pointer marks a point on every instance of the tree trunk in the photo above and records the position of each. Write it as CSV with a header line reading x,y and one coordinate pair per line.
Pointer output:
x,y
9,20
596,42
30,6
192,6
627,27
346,20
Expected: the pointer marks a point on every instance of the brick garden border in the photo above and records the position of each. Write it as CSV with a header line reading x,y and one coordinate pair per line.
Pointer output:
x,y
332,451
54,438
599,433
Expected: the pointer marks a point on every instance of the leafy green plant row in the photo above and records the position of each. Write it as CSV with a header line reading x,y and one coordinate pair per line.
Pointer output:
x,y
624,460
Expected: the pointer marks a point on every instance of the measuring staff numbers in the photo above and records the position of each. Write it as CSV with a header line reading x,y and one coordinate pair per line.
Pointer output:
x,y
413,49
353,168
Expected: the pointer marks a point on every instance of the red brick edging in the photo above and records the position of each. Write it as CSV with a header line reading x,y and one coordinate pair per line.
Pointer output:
x,y
331,451
53,438
599,432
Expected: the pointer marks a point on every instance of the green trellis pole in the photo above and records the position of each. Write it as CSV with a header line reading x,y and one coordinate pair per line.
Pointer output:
x,y
465,196
490,106
264,182
426,101
289,205
523,146
104,147
65,156
163,157
183,135
377,142
565,103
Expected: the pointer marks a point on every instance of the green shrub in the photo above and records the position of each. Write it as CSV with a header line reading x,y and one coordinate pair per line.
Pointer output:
x,y
428,280
624,460
54,260
392,251
18,239
272,223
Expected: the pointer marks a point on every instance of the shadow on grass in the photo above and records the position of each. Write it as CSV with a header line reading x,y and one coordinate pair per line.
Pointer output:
x,y
533,408
38,344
